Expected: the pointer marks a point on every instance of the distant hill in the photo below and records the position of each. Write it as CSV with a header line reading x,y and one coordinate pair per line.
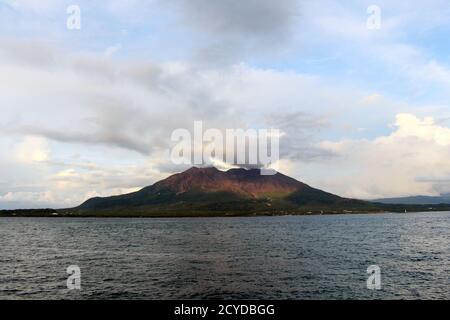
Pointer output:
x,y
417,200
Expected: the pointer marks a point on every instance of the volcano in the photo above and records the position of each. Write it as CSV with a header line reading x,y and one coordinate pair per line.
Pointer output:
x,y
211,192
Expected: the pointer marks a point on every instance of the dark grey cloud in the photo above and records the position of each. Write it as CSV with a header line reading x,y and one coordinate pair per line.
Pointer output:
x,y
101,117
126,127
230,29
110,126
261,19
32,52
301,135
445,179
440,185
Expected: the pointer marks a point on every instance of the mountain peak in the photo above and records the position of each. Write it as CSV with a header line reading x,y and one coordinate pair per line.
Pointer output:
x,y
202,169
245,182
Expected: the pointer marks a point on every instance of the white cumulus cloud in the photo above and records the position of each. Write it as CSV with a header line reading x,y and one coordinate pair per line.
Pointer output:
x,y
403,163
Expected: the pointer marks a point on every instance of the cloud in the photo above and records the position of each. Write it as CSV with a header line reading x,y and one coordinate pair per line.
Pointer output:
x,y
263,19
32,149
424,129
299,139
372,99
32,52
395,58
393,165
113,49
30,197
231,29
62,184
136,106
108,129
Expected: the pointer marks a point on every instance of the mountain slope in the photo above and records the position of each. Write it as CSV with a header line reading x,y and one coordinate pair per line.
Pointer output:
x,y
210,191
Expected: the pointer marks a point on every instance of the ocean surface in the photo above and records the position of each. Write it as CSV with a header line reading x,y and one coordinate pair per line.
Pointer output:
x,y
306,257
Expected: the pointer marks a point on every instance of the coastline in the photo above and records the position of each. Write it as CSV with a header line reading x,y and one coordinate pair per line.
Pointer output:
x,y
129,213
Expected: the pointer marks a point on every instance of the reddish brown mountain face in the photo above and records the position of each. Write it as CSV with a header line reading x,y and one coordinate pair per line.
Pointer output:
x,y
248,183
209,190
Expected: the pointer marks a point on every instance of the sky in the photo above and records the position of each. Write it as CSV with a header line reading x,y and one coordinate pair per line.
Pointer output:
x,y
89,111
